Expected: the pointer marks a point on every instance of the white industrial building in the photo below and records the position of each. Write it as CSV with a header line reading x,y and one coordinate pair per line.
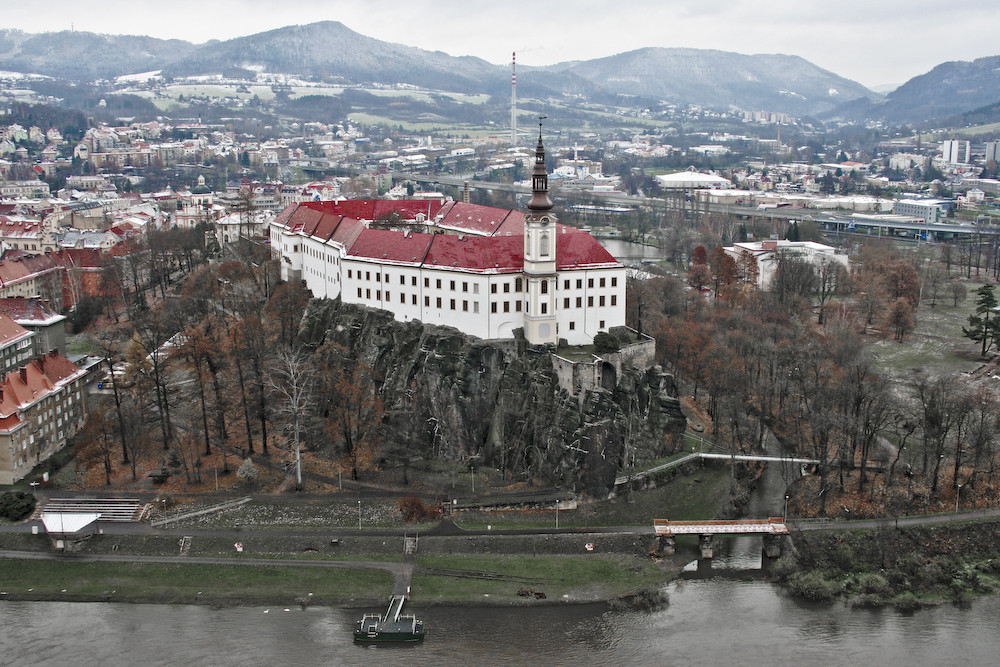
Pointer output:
x,y
769,253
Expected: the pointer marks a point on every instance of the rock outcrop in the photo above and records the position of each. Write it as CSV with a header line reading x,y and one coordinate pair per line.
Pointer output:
x,y
451,396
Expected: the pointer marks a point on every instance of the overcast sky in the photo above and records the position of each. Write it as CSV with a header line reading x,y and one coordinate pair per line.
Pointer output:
x,y
873,42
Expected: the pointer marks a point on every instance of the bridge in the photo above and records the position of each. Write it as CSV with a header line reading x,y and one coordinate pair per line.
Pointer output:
x,y
624,479
839,222
772,529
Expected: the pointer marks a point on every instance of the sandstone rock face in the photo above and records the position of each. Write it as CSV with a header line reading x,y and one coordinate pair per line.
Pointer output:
x,y
451,396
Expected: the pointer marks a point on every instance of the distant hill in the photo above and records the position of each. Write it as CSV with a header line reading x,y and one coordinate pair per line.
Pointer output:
x,y
949,90
332,52
85,56
721,79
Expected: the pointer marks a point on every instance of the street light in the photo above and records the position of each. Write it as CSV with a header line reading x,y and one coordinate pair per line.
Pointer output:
x,y
958,494
164,508
473,480
784,512
359,515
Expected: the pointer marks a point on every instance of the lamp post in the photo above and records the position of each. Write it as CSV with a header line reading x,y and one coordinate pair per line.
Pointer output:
x,y
359,515
473,480
958,495
164,508
557,515
784,512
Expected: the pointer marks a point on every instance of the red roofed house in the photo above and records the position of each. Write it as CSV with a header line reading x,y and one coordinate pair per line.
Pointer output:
x,y
37,276
482,270
16,345
41,407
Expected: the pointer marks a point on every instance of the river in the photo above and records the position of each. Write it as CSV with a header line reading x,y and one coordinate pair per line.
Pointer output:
x,y
708,622
629,252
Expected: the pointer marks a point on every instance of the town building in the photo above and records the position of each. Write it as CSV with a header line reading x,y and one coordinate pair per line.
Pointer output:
x,y
768,254
956,151
48,327
483,270
929,210
42,405
16,345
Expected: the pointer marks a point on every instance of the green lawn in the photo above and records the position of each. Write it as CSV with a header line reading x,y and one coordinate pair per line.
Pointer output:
x,y
936,344
179,583
587,577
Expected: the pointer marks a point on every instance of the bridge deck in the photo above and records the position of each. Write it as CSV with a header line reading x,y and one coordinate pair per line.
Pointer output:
x,y
772,526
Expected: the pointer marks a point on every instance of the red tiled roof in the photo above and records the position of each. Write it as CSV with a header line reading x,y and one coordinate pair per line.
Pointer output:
x,y
578,250
26,310
475,219
326,227
40,376
494,242
80,258
11,331
391,247
347,232
475,253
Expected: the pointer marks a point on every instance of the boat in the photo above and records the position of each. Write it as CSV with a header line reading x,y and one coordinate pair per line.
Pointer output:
x,y
393,626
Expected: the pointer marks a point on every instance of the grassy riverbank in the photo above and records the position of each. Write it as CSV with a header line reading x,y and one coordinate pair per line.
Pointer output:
x,y
181,583
496,580
906,567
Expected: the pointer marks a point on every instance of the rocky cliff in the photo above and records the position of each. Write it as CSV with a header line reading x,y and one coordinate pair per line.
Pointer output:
x,y
451,396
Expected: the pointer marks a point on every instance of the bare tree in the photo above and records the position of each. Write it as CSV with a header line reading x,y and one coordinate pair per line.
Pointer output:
x,y
292,379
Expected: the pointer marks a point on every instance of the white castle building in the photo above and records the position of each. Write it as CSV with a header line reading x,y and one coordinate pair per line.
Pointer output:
x,y
482,270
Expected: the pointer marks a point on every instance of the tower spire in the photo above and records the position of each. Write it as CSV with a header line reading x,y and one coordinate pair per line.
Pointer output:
x,y
540,201
540,234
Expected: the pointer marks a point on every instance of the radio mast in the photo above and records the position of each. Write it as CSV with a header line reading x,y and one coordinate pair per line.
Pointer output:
x,y
513,99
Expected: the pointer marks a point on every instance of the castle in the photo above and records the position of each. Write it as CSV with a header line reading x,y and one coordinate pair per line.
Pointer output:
x,y
483,270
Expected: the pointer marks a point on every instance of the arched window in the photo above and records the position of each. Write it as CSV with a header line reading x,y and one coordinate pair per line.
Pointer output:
x,y
545,245
545,287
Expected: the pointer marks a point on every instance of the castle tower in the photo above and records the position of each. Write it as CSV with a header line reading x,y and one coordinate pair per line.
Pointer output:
x,y
540,256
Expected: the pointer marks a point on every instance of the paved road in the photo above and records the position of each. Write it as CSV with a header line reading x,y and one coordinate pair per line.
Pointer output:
x,y
897,522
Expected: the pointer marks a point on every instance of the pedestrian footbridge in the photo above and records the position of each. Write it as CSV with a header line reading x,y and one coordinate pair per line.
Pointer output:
x,y
773,530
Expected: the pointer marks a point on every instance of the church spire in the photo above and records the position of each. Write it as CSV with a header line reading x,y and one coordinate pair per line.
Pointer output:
x,y
540,201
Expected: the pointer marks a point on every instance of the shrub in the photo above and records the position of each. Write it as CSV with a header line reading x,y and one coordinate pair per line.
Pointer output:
x,y
414,510
16,505
871,583
906,601
605,342
812,586
247,472
867,601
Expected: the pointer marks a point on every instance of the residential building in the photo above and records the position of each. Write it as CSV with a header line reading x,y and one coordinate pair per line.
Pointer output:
x,y
42,404
16,345
956,151
15,189
992,152
48,326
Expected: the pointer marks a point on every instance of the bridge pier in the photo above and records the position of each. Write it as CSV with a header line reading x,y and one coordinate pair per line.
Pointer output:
x,y
667,545
705,542
772,546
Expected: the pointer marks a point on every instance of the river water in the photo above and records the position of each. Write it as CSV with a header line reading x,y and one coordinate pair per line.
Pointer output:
x,y
708,622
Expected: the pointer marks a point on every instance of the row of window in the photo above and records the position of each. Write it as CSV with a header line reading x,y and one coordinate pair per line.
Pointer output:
x,y
494,306
494,288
